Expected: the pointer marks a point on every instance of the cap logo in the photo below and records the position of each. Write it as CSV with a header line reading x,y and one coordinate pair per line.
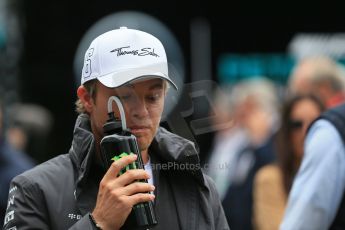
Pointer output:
x,y
127,51
87,64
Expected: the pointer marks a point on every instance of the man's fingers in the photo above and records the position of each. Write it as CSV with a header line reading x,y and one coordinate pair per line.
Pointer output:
x,y
131,175
116,166
138,187
141,197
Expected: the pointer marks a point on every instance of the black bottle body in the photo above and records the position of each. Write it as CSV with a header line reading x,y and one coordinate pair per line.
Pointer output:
x,y
115,146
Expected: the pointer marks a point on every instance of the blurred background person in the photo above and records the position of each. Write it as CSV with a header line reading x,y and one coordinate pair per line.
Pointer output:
x,y
229,138
273,182
29,128
12,163
317,200
320,75
241,150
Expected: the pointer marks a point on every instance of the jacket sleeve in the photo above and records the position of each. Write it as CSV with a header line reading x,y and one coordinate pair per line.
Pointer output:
x,y
220,221
25,208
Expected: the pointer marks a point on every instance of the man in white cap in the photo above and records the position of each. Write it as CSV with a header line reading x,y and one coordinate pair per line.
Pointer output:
x,y
74,191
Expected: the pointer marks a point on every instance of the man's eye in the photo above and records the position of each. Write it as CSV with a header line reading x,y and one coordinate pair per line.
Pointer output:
x,y
154,97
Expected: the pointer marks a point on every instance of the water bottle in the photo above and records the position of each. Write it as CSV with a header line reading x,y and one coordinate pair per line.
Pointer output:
x,y
117,143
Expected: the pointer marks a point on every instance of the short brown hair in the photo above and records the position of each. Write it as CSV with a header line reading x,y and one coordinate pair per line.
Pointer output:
x,y
90,87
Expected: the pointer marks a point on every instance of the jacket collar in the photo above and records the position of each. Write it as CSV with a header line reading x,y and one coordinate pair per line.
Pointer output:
x,y
83,146
173,148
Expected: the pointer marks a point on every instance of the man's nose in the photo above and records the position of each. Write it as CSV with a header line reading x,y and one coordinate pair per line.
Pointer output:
x,y
139,109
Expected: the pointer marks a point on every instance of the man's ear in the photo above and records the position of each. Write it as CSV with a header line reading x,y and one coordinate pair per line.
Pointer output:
x,y
85,98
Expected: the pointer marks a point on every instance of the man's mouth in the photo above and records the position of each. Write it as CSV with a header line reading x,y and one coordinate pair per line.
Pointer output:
x,y
138,129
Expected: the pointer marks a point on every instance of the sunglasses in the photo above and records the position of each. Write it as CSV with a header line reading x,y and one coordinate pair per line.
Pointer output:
x,y
296,124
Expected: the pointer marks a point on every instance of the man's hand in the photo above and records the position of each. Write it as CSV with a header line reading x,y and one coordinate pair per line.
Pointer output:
x,y
117,194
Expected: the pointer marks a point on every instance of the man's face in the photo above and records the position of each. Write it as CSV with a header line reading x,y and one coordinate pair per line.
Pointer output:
x,y
143,102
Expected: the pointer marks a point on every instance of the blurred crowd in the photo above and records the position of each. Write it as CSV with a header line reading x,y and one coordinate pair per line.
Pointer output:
x,y
264,147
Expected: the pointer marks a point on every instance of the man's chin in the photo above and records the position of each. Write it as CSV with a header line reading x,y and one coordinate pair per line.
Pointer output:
x,y
143,144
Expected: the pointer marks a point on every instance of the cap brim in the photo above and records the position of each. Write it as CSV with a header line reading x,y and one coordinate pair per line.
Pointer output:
x,y
118,79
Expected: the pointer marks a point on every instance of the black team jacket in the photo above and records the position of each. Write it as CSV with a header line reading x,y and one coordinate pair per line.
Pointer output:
x,y
60,193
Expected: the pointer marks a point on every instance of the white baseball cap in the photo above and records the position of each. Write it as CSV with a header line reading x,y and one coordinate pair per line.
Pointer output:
x,y
123,55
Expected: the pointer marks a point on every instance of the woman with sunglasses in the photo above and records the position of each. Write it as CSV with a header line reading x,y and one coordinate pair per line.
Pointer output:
x,y
273,182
